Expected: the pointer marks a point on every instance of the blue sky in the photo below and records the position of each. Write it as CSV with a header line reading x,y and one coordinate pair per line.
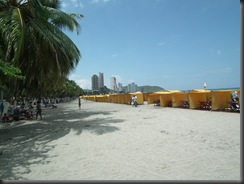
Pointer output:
x,y
174,44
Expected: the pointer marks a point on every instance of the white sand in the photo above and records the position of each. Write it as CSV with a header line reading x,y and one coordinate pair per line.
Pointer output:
x,y
105,141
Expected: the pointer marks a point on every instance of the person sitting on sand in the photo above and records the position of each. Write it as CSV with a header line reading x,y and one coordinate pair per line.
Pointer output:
x,y
16,114
54,105
5,118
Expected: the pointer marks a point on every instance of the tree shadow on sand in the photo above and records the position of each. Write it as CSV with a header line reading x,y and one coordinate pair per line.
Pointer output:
x,y
25,143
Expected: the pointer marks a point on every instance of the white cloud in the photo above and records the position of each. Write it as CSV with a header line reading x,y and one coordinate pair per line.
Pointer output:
x,y
131,81
74,3
227,70
77,3
216,71
99,1
161,44
84,83
219,53
64,5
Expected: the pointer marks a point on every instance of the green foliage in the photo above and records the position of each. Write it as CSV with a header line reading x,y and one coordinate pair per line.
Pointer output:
x,y
69,88
150,88
9,70
32,41
104,90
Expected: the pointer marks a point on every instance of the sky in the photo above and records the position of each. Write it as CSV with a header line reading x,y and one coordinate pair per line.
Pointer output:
x,y
174,44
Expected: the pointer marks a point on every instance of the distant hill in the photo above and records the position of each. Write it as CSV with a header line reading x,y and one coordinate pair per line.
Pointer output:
x,y
148,88
144,89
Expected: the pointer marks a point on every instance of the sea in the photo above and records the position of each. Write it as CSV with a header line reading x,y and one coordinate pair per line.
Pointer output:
x,y
216,89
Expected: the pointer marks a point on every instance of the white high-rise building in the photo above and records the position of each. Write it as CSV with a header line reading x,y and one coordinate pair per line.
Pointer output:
x,y
113,84
101,81
120,87
132,87
95,83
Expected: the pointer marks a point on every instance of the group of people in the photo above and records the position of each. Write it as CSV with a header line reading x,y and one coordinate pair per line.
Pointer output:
x,y
133,101
235,100
28,108
22,112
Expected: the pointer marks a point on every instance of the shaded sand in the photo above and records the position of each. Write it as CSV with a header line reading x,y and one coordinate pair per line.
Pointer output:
x,y
105,141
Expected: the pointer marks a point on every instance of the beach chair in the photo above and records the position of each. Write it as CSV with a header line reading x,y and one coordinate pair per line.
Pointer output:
x,y
170,103
234,106
156,103
205,105
185,104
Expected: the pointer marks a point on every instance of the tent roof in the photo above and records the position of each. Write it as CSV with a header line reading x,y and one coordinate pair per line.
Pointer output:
x,y
224,90
174,91
199,91
138,92
165,92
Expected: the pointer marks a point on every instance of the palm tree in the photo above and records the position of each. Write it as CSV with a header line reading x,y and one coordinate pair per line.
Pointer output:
x,y
31,39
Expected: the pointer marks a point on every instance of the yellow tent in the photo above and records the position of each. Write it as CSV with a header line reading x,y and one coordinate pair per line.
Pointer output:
x,y
221,99
153,97
140,99
198,96
166,98
126,98
180,99
123,98
103,98
113,98
119,98
156,96
98,98
145,95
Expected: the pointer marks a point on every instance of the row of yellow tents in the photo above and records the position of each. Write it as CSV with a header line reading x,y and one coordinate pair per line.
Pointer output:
x,y
220,99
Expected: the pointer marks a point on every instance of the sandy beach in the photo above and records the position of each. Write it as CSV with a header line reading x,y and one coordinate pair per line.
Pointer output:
x,y
107,141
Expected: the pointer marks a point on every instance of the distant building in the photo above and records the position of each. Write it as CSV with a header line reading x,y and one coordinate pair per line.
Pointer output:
x,y
120,87
132,87
113,84
100,81
94,80
128,88
97,82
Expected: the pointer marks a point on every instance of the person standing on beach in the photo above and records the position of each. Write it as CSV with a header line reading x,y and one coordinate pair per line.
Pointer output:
x,y
38,110
79,103
1,108
135,100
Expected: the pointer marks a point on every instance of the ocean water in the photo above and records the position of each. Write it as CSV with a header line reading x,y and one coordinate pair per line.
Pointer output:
x,y
237,88
215,89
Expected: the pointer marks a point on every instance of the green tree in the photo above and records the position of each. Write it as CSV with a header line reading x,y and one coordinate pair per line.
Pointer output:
x,y
31,39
